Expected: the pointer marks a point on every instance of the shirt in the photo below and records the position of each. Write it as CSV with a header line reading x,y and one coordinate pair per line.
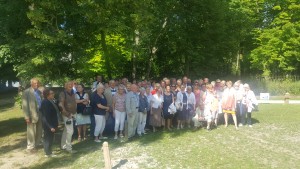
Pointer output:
x,y
120,104
38,97
157,101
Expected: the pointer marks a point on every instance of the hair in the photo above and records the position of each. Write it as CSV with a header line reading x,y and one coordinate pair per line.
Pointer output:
x,y
229,82
188,87
34,79
100,86
46,92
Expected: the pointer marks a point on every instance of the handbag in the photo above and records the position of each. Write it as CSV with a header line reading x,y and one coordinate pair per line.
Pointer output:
x,y
172,109
178,106
87,110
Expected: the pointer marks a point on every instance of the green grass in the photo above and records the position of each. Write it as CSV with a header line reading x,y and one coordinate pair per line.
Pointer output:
x,y
273,142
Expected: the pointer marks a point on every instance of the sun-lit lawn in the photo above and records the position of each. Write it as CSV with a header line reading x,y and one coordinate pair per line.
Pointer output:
x,y
273,142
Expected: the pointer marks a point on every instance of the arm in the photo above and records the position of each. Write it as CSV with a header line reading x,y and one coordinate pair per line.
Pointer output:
x,y
25,106
114,105
61,104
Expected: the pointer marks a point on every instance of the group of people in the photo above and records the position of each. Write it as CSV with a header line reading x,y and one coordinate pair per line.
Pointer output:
x,y
135,107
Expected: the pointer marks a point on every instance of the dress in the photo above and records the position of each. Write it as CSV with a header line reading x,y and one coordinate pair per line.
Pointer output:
x,y
183,115
155,117
80,118
168,100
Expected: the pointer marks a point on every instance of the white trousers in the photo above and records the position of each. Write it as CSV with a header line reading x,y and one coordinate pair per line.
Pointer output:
x,y
142,122
66,138
100,124
119,120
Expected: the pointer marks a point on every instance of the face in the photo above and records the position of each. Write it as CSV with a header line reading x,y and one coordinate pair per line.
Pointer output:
x,y
185,80
100,90
189,90
79,88
120,90
205,80
34,84
51,95
178,82
113,84
99,78
182,88
128,87
147,90
163,84
134,88
168,88
173,87
69,86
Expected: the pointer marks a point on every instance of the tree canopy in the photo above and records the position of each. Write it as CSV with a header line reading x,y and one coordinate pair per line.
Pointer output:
x,y
77,39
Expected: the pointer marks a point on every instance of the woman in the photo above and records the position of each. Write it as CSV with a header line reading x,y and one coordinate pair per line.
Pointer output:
x,y
143,108
250,100
100,111
210,105
197,93
182,111
229,103
50,122
178,85
119,112
168,100
191,105
156,109
82,100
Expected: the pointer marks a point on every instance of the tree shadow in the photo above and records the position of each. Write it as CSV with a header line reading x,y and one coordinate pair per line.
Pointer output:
x,y
19,143
11,126
122,162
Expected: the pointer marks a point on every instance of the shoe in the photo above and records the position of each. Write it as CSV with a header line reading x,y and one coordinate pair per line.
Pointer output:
x,y
145,133
140,135
240,125
250,126
181,126
236,128
97,141
116,137
51,155
121,135
79,139
71,151
102,138
178,128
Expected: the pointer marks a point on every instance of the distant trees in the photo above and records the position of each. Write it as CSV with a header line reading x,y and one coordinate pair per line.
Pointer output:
x,y
55,39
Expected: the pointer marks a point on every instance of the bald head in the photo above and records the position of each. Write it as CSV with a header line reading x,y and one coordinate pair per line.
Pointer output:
x,y
34,82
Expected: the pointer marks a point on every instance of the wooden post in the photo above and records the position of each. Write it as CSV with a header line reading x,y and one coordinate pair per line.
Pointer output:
x,y
106,155
287,98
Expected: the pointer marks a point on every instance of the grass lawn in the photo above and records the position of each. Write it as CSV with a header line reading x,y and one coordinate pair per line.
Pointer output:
x,y
273,142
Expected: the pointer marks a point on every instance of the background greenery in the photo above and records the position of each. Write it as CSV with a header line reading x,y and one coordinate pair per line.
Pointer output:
x,y
76,39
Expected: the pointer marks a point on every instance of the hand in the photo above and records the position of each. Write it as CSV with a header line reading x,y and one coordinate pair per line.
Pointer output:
x,y
52,130
28,121
107,109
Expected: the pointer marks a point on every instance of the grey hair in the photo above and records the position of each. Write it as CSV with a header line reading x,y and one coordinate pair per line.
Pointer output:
x,y
100,85
188,87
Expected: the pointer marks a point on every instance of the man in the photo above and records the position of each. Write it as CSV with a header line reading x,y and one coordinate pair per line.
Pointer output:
x,y
68,107
132,106
98,80
31,103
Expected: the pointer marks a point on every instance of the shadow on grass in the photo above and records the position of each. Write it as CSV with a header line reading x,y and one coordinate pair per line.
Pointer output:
x,y
6,106
11,126
122,162
19,143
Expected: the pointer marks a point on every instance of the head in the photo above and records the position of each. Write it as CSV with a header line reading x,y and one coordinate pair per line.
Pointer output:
x,y
213,83
124,81
148,90
99,78
121,89
182,88
100,88
189,89
209,88
80,88
167,81
49,94
163,84
168,88
179,82
184,80
112,84
128,87
157,86
218,83
34,83
142,91
206,80
69,85
134,88
246,87
229,84
159,91
173,87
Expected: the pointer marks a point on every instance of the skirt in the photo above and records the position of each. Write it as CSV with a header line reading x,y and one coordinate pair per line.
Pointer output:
x,y
82,119
155,117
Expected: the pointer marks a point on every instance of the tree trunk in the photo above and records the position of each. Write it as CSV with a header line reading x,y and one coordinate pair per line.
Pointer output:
x,y
106,54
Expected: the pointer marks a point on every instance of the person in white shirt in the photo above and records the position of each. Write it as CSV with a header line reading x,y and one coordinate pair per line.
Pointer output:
x,y
156,109
250,100
191,105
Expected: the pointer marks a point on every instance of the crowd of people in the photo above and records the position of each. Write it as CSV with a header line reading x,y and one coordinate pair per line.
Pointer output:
x,y
135,107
